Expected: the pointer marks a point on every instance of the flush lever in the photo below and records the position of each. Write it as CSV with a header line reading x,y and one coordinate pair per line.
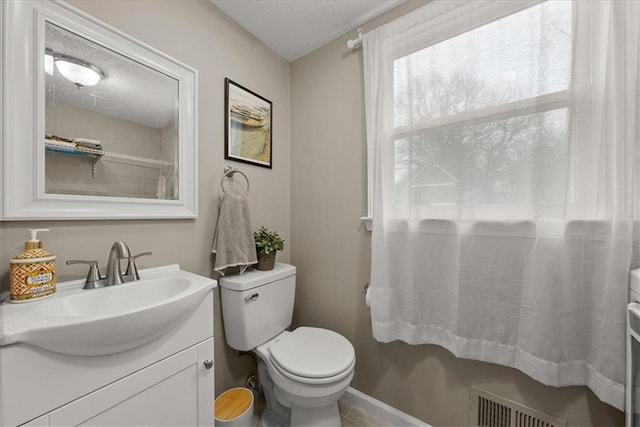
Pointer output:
x,y
252,297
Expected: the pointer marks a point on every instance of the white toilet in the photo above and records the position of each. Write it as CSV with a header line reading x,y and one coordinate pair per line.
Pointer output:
x,y
303,372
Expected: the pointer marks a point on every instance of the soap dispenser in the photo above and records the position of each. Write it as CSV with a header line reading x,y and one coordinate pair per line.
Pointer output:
x,y
32,273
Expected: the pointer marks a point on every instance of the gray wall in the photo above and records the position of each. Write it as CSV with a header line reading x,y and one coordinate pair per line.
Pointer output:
x,y
200,35
332,252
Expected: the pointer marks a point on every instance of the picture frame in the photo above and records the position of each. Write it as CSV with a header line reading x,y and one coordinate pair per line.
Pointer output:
x,y
248,126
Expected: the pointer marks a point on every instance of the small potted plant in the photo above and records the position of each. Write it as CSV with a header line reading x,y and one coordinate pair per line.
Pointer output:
x,y
267,243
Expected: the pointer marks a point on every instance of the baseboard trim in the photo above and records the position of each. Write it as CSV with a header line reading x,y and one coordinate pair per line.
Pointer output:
x,y
380,410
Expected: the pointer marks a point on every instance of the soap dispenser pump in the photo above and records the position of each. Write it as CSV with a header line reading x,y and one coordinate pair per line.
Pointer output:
x,y
33,272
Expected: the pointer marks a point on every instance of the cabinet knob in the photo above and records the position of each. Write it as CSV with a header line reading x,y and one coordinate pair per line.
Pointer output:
x,y
208,364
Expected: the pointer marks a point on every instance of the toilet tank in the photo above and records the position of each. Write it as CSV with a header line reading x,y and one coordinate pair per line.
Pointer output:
x,y
257,305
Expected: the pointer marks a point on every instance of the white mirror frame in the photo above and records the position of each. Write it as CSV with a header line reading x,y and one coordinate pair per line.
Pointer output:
x,y
22,149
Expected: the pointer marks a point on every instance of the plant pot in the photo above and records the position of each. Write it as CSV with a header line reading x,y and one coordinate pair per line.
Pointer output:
x,y
266,262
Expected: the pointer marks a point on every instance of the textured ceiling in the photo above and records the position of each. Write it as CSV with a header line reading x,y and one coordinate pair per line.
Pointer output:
x,y
293,28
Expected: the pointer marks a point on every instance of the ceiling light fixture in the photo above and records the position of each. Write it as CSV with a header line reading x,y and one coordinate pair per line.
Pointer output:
x,y
79,72
48,62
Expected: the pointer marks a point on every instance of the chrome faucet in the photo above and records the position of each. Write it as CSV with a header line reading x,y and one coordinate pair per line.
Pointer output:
x,y
119,250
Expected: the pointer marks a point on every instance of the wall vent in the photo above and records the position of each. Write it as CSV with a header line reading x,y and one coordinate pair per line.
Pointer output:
x,y
490,410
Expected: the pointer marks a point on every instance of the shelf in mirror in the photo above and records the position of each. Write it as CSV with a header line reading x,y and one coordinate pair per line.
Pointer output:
x,y
98,154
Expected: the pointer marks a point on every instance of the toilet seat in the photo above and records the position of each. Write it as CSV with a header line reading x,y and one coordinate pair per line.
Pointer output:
x,y
313,356
313,381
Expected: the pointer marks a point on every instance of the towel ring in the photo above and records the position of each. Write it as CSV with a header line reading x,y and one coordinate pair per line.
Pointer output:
x,y
228,173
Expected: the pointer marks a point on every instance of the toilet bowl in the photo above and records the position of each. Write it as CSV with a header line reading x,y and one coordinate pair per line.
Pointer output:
x,y
310,368
303,372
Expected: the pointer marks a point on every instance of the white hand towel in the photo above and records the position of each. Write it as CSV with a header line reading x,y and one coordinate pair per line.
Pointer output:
x,y
233,242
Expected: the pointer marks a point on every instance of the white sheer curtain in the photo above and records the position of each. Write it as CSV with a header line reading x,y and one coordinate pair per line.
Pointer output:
x,y
502,159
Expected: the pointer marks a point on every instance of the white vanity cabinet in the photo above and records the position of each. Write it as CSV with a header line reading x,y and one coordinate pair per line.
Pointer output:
x,y
168,381
173,392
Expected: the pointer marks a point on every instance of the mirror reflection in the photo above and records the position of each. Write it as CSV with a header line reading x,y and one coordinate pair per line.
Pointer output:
x,y
111,123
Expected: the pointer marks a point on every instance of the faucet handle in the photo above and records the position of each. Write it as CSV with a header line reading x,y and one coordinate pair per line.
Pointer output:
x,y
93,277
132,270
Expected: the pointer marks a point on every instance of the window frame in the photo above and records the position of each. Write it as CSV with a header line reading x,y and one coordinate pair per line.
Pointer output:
x,y
451,24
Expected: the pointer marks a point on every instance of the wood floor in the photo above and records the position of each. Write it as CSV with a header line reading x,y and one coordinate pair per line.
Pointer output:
x,y
350,415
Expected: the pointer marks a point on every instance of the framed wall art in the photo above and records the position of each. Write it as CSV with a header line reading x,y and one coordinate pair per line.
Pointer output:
x,y
248,132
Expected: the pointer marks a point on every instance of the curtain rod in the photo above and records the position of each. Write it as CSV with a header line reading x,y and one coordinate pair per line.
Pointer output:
x,y
353,43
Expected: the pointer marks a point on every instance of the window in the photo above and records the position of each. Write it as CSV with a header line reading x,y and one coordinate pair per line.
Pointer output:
x,y
481,118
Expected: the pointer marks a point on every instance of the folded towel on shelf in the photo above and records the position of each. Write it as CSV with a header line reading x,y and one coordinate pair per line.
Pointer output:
x,y
92,144
55,145
59,143
233,242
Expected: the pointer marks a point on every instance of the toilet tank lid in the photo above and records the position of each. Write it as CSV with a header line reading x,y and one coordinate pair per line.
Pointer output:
x,y
253,278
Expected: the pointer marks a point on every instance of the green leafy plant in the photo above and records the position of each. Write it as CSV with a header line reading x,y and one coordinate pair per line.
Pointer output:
x,y
267,241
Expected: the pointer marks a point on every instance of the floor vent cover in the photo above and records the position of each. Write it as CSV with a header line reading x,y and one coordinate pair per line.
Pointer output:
x,y
490,410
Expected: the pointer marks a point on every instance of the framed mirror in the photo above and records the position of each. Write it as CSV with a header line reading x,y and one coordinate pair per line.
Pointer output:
x,y
96,125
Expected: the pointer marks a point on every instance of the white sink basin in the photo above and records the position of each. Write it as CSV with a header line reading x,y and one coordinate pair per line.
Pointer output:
x,y
108,320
